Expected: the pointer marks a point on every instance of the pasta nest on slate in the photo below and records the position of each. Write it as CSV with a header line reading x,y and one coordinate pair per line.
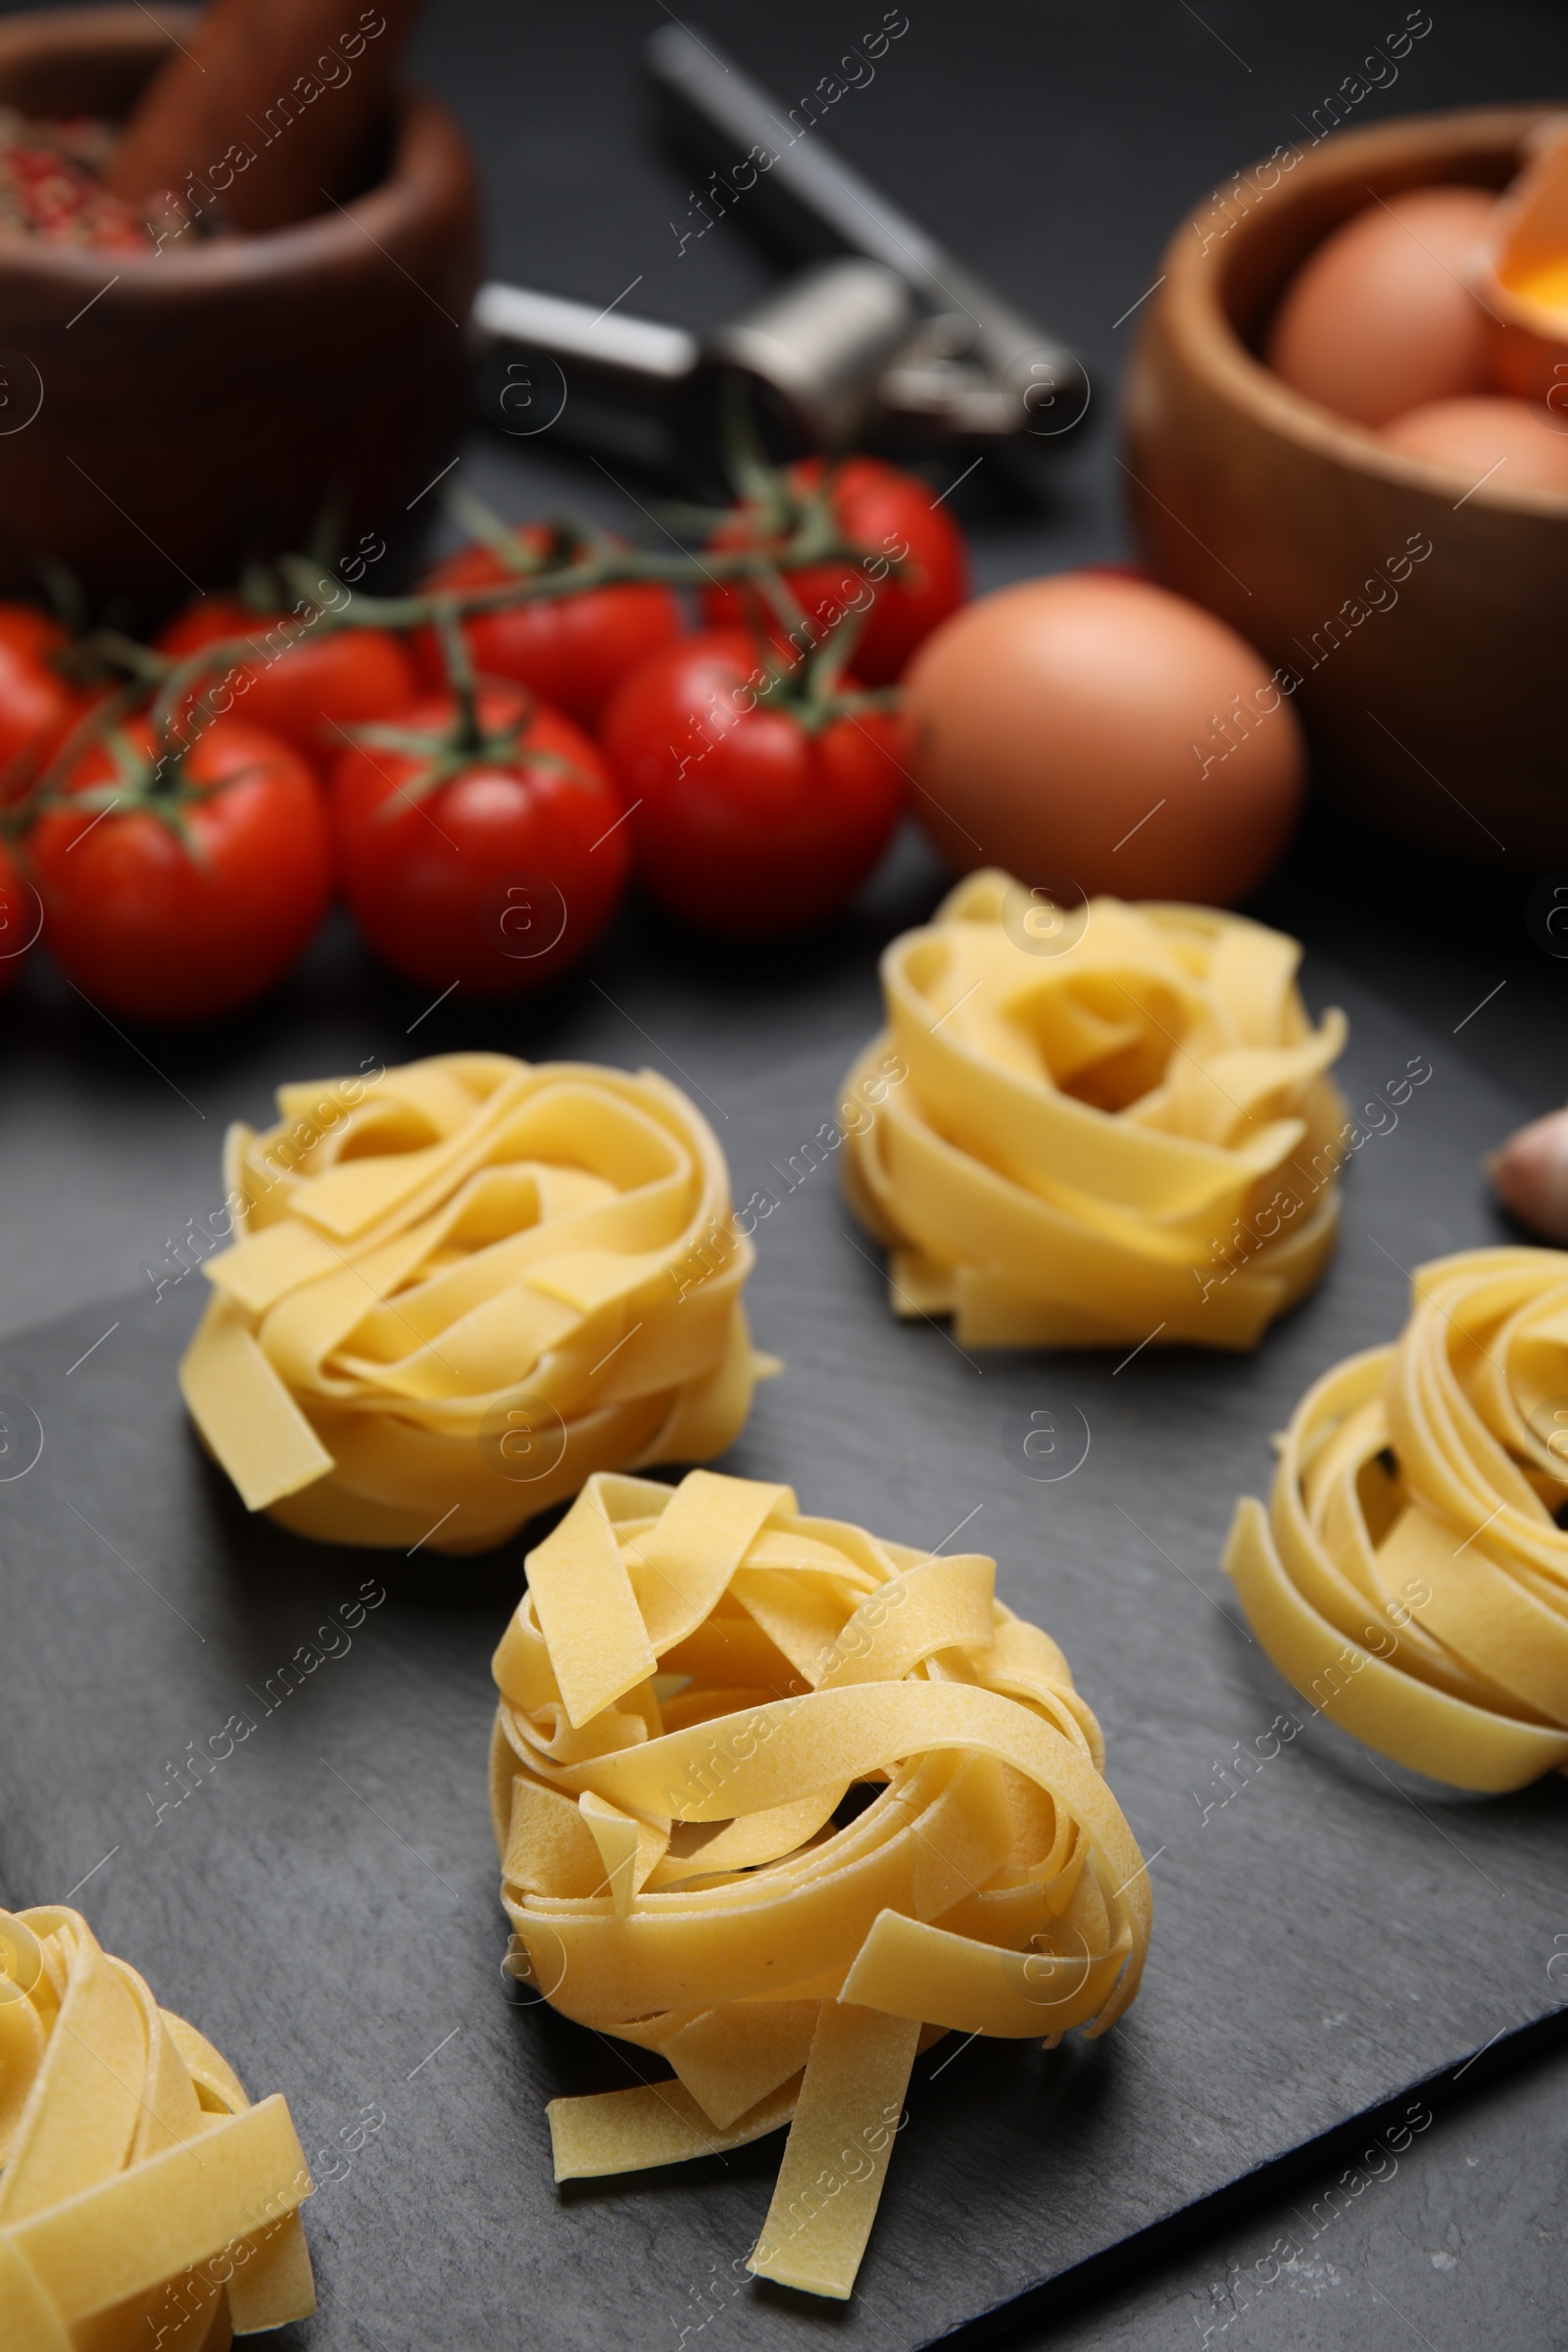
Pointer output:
x,y
1116,1125
695,1683
460,1287
1410,1576
142,2197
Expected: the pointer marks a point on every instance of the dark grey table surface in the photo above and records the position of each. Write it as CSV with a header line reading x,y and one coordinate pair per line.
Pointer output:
x,y
1319,1943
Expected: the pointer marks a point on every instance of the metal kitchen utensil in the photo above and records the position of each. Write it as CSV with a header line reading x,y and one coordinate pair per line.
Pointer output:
x,y
893,343
978,370
810,354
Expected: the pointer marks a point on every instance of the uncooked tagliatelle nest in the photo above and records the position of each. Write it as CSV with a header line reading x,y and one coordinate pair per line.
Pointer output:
x,y
1116,1126
460,1287
699,1687
143,2199
1409,1575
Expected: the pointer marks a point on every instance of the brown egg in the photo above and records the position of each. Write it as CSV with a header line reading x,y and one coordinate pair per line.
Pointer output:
x,y
1505,443
1104,733
1380,318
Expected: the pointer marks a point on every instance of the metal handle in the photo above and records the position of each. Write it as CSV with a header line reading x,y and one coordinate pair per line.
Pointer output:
x,y
637,360
728,115
984,366
811,356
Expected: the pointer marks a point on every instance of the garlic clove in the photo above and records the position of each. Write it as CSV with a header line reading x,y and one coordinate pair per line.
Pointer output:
x,y
1530,1175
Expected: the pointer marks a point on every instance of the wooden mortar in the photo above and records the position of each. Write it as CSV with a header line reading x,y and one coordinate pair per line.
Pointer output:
x,y
204,404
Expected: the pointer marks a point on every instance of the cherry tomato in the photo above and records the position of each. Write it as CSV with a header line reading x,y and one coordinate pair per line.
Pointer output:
x,y
196,891
748,818
20,920
572,650
888,513
491,855
29,631
39,706
309,692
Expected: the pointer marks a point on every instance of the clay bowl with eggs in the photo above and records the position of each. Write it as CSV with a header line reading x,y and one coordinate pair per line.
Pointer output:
x,y
165,418
1431,683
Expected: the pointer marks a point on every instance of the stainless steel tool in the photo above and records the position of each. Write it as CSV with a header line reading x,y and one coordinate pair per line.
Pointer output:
x,y
810,358
976,370
891,343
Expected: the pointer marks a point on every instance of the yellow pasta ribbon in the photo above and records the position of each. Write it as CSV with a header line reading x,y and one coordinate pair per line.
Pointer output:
x,y
1116,1125
458,1288
782,1802
1409,1575
143,2199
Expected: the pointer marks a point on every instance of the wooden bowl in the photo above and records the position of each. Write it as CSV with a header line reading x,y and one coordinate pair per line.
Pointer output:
x,y
205,404
1440,716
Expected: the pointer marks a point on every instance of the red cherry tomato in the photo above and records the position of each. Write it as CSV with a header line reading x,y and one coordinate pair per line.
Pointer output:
x,y
146,928
37,705
26,630
888,513
20,920
572,650
308,692
494,865
746,818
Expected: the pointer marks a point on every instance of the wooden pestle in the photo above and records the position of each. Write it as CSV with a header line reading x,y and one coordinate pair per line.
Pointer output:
x,y
269,114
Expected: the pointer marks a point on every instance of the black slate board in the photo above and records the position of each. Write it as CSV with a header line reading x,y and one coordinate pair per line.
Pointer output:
x,y
325,1904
